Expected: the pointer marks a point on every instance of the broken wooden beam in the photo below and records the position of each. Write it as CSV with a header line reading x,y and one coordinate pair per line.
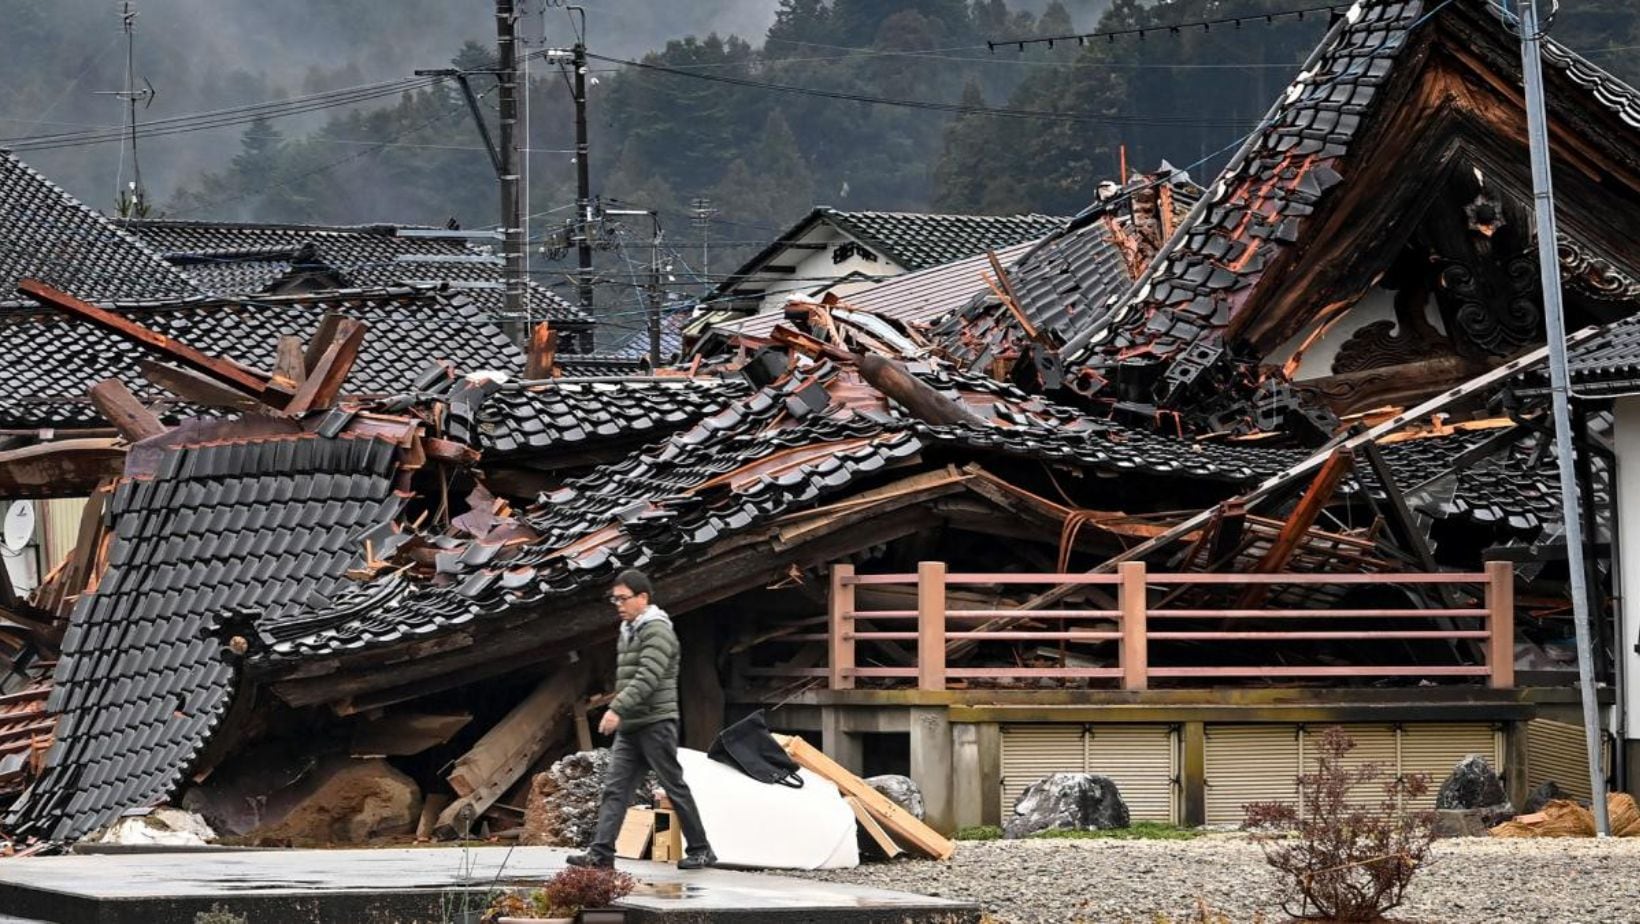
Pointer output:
x,y
325,379
291,365
897,820
129,416
320,341
153,341
1298,524
198,389
405,733
64,468
916,396
495,763
543,352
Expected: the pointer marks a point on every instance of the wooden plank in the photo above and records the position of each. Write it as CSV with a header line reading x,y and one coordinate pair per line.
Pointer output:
x,y
904,826
325,379
931,625
1500,599
174,350
321,341
198,389
543,352
291,365
495,763
1135,641
874,829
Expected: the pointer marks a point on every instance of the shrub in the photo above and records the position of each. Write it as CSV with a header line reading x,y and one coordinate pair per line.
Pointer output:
x,y
585,887
1339,860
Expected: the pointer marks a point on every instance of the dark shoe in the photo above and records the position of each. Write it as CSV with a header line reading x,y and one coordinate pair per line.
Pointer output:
x,y
698,860
594,861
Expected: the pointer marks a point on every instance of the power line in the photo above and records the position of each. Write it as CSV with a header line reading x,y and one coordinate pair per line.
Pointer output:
x,y
1206,25
237,115
929,105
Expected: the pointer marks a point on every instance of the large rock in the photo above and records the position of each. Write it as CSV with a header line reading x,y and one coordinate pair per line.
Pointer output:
x,y
1473,784
900,790
163,826
1067,800
333,800
562,809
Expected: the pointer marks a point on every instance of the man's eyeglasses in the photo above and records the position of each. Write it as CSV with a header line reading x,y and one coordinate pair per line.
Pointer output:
x,y
619,599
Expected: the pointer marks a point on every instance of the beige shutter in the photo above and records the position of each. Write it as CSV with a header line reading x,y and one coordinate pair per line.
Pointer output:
x,y
1143,762
1373,744
1031,752
1556,751
1249,763
1434,748
61,518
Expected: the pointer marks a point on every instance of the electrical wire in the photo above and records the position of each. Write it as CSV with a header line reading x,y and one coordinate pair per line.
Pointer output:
x,y
930,105
1206,25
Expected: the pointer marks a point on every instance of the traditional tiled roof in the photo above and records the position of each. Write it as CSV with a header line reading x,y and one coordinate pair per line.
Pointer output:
x,y
1608,365
232,258
565,414
146,673
781,449
921,297
48,235
1261,206
1066,285
600,366
917,241
53,359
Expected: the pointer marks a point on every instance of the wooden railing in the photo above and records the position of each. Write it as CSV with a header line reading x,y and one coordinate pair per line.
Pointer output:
x,y
935,628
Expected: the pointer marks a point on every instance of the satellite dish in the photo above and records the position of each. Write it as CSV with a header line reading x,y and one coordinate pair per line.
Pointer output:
x,y
19,528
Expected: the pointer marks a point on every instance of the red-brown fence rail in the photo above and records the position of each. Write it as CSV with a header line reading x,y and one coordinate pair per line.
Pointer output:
x,y
934,627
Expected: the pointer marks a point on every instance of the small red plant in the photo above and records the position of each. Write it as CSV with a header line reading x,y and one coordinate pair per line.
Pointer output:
x,y
1339,860
580,887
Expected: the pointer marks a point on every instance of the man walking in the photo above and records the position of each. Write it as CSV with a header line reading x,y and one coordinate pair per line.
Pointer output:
x,y
644,719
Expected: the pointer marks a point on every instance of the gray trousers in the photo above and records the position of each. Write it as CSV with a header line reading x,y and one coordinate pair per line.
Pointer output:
x,y
653,747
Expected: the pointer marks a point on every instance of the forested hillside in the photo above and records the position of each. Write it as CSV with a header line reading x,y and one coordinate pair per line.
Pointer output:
x,y
717,115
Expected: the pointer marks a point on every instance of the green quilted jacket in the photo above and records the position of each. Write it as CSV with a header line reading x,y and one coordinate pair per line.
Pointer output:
x,y
646,671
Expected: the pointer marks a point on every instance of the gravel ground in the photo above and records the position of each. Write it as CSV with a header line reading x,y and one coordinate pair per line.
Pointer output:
x,y
1470,881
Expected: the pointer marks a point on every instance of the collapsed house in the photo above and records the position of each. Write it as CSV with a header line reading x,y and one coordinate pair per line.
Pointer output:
x,y
1202,469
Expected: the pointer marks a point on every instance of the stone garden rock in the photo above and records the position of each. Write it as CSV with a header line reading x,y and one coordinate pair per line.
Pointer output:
x,y
562,807
1473,784
1067,800
900,790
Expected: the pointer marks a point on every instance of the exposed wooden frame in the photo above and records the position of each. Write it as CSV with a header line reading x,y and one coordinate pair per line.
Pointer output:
x,y
134,421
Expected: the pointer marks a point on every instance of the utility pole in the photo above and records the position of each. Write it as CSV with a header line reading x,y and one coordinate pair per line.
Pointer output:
x,y
583,166
1543,196
516,321
134,205
655,290
703,215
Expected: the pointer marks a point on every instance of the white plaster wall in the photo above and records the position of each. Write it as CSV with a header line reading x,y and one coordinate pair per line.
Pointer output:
x,y
816,266
1626,443
1376,305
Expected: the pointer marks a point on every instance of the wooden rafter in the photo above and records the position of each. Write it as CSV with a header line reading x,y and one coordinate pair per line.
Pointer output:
x,y
128,415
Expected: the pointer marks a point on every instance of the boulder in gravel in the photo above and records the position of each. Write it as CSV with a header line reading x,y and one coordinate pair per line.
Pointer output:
x,y
1476,822
163,826
1473,784
1547,792
900,790
1085,801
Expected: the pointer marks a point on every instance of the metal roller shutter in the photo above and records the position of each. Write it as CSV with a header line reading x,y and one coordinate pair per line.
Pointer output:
x,y
1434,749
1556,751
1143,762
1031,752
1373,744
61,518
1249,763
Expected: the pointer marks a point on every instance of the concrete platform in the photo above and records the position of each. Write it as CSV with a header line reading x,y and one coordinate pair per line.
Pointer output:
x,y
414,886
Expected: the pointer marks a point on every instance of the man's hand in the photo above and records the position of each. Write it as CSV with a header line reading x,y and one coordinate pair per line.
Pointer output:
x,y
608,724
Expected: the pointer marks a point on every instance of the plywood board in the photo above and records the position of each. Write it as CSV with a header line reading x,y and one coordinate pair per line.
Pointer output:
x,y
900,822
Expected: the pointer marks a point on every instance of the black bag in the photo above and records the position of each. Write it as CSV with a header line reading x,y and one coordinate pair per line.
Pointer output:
x,y
748,747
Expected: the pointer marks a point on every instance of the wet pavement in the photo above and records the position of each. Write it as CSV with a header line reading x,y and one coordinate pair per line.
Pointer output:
x,y
414,885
